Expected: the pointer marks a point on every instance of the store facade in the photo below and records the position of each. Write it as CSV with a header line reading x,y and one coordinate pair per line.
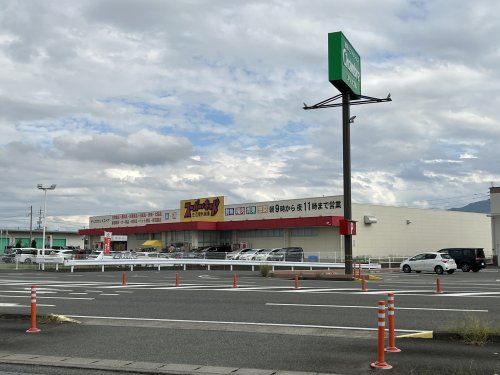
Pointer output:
x,y
311,223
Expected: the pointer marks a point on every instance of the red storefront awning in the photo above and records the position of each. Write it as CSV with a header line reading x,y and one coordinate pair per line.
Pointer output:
x,y
320,221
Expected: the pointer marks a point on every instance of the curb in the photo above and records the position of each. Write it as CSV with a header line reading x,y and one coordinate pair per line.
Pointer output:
x,y
453,336
42,319
138,367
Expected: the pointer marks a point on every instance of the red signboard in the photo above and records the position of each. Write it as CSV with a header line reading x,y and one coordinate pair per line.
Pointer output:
x,y
107,242
347,227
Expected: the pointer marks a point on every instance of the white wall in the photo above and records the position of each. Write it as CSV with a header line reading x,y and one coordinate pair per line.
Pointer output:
x,y
495,218
427,230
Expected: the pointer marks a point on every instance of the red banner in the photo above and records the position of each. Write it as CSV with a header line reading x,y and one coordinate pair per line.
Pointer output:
x,y
107,242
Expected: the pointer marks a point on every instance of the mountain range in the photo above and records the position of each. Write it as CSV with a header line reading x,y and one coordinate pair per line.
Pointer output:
x,y
479,206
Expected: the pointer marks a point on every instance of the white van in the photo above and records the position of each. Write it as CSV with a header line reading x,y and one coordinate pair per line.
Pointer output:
x,y
26,255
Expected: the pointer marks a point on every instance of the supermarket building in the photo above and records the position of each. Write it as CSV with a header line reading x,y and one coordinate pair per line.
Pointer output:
x,y
311,223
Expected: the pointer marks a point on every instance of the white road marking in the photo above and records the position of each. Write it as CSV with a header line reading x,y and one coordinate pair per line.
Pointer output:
x,y
18,305
123,291
235,323
27,293
109,294
434,282
76,298
208,277
79,293
475,294
372,307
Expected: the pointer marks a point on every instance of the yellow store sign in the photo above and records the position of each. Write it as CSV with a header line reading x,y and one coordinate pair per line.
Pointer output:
x,y
203,209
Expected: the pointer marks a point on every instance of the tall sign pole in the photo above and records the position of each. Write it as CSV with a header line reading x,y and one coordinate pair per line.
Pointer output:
x,y
344,72
346,146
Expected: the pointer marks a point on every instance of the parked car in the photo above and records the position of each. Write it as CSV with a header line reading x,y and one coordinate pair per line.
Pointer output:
x,y
288,254
237,254
26,255
266,254
99,254
429,262
467,258
81,253
64,254
250,255
125,255
9,257
215,252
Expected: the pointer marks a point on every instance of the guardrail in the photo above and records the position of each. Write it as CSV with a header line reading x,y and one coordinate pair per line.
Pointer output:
x,y
204,262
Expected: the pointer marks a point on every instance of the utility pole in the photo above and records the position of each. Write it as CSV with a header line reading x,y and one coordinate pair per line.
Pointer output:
x,y
39,221
31,225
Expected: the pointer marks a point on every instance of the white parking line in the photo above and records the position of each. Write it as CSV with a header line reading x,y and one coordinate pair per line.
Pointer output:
x,y
82,298
18,305
475,294
372,307
109,294
27,293
79,293
234,323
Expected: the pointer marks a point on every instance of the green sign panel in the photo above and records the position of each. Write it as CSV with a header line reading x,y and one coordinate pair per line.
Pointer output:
x,y
344,65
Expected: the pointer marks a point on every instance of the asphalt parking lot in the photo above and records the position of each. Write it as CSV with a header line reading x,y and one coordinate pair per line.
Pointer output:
x,y
324,326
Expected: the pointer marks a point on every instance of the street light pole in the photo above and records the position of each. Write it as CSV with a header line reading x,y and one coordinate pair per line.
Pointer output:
x,y
41,187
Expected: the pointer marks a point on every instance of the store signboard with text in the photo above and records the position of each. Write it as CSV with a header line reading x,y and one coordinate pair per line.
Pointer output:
x,y
134,219
344,65
202,209
294,208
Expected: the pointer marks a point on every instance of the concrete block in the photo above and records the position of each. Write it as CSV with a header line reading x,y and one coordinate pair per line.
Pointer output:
x,y
111,363
81,361
49,359
143,365
172,367
253,371
19,357
216,370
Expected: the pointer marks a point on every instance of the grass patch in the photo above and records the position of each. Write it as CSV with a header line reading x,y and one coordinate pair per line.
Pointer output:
x,y
475,331
264,270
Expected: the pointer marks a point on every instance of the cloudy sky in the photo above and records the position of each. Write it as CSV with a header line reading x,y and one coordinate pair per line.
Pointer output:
x,y
134,105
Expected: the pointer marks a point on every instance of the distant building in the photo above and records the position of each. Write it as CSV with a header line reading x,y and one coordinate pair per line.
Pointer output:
x,y
13,237
495,221
311,223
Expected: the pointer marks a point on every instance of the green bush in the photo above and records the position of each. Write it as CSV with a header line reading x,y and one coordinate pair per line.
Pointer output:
x,y
264,270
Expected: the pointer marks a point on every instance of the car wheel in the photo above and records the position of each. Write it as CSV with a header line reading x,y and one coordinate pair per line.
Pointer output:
x,y
406,268
475,269
418,271
449,272
439,270
27,261
465,267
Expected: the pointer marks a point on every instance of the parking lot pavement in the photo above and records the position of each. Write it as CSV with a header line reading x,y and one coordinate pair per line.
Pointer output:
x,y
272,352
209,296
264,323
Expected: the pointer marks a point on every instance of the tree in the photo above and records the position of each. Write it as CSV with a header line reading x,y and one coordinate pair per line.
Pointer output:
x,y
19,243
33,243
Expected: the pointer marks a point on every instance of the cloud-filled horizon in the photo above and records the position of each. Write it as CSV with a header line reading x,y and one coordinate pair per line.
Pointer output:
x,y
132,105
